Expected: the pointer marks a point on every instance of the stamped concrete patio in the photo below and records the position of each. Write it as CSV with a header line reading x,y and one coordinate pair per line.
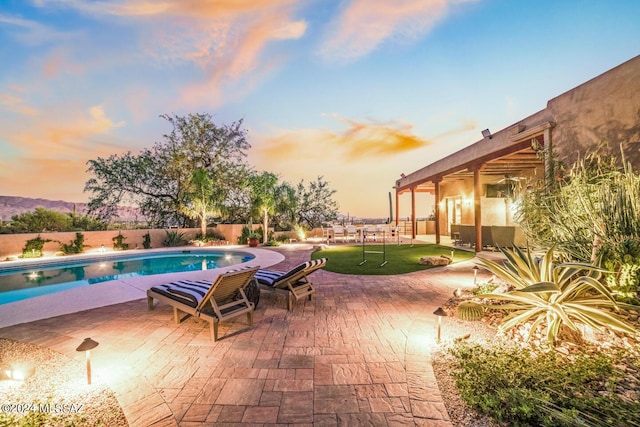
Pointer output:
x,y
357,354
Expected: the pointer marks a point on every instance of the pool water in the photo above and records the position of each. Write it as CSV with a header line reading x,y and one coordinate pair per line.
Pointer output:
x,y
22,282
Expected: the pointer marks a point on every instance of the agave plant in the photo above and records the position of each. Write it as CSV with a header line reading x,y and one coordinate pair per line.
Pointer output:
x,y
551,295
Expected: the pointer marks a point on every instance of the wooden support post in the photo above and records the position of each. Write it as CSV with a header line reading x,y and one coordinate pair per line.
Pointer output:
x,y
437,197
477,210
413,212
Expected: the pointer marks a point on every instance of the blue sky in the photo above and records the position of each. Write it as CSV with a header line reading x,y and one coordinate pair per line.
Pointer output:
x,y
357,91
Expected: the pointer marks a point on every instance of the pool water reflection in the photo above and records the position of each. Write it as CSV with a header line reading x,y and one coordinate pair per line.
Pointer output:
x,y
20,283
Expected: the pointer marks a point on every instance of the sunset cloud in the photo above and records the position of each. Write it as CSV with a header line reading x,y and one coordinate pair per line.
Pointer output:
x,y
225,40
63,136
364,25
360,140
47,154
15,104
37,176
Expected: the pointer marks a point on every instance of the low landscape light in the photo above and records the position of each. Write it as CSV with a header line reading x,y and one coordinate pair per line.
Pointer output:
x,y
87,345
475,275
19,373
440,313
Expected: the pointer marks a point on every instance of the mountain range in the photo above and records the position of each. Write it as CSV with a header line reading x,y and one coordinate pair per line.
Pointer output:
x,y
14,205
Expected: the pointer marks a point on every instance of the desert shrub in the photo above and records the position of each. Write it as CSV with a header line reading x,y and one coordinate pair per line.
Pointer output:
x,y
173,238
146,241
521,387
623,260
285,237
247,233
211,236
484,288
118,242
33,247
76,246
553,295
597,203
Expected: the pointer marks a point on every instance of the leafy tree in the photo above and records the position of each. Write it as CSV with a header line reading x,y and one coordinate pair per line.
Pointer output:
x,y
158,180
40,220
315,203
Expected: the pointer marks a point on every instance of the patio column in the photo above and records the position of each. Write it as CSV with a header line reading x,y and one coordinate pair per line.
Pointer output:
x,y
477,210
437,197
413,212
397,207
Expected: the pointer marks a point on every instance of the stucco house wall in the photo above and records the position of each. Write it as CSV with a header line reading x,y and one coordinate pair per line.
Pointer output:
x,y
600,114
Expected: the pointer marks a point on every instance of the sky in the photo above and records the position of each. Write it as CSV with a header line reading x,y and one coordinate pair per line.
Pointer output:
x,y
355,91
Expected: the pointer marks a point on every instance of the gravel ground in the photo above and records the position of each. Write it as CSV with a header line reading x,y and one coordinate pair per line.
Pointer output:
x,y
454,330
57,394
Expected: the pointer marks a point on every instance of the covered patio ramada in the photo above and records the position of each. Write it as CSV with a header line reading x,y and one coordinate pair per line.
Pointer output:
x,y
475,189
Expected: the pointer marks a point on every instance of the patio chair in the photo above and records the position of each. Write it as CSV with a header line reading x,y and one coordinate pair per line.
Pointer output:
x,y
223,299
352,233
294,283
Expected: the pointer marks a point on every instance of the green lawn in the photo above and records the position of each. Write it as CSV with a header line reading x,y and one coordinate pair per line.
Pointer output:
x,y
400,259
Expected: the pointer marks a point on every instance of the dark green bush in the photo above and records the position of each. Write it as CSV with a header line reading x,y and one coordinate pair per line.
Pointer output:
x,y
76,246
173,238
211,236
520,387
146,241
247,233
118,242
33,247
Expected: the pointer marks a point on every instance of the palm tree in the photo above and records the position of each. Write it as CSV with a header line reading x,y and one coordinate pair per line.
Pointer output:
x,y
200,202
263,200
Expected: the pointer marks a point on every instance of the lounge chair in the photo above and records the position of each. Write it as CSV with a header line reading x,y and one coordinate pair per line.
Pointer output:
x,y
221,300
295,282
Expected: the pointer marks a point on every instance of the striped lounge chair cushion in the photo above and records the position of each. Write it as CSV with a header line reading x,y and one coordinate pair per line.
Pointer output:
x,y
274,278
188,292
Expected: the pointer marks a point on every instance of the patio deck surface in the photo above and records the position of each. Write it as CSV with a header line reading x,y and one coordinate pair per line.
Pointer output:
x,y
358,353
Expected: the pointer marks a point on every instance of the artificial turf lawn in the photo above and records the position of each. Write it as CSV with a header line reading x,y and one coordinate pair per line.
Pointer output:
x,y
400,259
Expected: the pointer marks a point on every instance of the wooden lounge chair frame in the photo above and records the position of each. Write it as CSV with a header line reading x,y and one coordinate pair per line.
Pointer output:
x,y
294,283
225,299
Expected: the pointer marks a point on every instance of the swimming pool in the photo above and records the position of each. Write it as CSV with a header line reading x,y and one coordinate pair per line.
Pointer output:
x,y
26,281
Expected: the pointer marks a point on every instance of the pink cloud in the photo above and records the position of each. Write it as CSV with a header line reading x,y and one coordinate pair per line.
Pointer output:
x,y
56,135
15,104
364,25
39,176
225,39
59,63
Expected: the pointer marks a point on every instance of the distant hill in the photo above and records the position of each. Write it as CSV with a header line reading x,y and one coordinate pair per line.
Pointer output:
x,y
12,205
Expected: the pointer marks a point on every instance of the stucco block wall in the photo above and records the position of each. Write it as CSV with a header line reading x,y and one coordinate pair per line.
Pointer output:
x,y
603,110
12,244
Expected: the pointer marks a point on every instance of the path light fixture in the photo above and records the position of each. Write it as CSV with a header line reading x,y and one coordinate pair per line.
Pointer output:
x,y
440,313
452,252
87,345
475,275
